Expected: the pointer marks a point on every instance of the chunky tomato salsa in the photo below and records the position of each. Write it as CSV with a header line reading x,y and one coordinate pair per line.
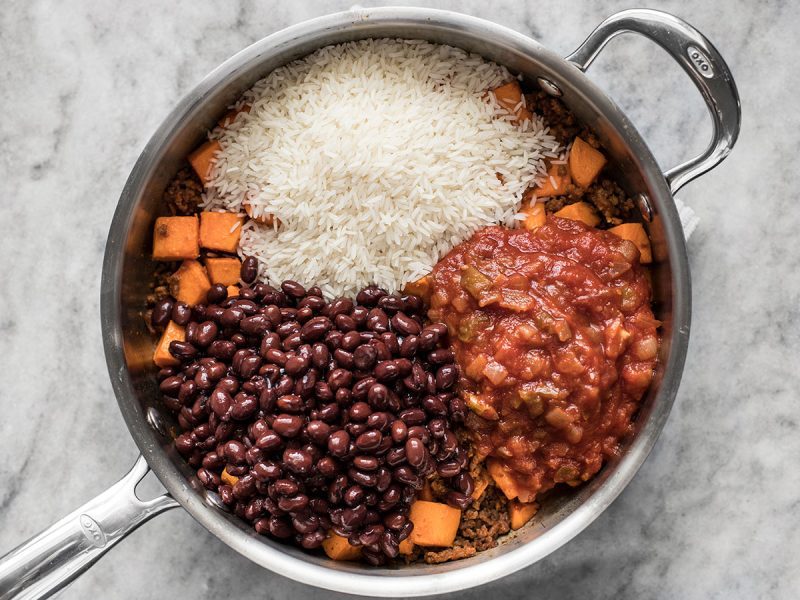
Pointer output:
x,y
557,343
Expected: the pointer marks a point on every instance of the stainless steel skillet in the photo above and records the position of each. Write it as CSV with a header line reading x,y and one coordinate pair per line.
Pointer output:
x,y
55,557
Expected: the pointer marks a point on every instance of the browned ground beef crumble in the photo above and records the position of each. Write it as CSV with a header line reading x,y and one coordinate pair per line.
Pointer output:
x,y
487,519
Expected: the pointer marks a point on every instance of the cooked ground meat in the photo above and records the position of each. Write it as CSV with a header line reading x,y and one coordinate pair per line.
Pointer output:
x,y
612,203
183,194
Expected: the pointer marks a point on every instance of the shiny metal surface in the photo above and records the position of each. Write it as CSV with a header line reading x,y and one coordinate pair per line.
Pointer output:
x,y
699,59
127,268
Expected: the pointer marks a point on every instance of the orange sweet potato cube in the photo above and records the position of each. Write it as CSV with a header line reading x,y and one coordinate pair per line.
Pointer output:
x,y
233,290
406,547
534,215
502,478
556,182
635,233
435,524
162,356
176,238
521,513
203,159
580,211
585,163
230,116
223,270
267,219
509,96
338,548
190,283
227,478
220,230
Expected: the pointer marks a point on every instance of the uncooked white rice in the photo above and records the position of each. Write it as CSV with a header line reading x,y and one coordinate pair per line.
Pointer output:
x,y
376,157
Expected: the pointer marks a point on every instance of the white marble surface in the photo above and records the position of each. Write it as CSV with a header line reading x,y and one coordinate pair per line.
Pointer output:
x,y
714,513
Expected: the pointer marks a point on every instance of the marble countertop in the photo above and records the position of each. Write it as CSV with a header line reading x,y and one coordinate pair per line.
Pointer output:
x,y
713,513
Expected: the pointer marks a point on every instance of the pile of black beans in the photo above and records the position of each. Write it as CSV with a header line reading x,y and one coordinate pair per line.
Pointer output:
x,y
331,415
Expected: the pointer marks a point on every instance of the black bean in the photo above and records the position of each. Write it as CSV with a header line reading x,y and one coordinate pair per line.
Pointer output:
x,y
370,295
379,421
182,350
406,475
448,469
287,425
216,293
181,313
318,432
293,289
364,357
296,365
339,378
391,303
161,312
244,408
362,477
399,431
405,324
365,463
409,346
315,329
320,356
339,443
234,452
297,460
290,403
171,385
446,377
343,358
458,500
329,412
377,395
369,440
412,416
377,321
386,370
249,269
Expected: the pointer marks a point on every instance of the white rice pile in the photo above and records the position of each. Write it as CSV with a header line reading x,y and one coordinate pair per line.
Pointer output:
x,y
376,157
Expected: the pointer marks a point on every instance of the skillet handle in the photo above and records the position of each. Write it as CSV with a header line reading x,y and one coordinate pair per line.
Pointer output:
x,y
48,562
702,63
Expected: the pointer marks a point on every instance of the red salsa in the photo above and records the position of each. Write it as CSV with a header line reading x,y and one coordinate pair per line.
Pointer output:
x,y
557,344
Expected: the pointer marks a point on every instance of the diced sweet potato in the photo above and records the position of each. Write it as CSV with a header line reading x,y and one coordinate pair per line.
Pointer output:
x,y
230,116
635,233
556,182
223,270
534,215
190,283
422,287
338,548
162,356
580,211
233,290
267,220
220,230
509,96
203,159
585,163
435,524
406,547
227,478
502,478
176,238
521,513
